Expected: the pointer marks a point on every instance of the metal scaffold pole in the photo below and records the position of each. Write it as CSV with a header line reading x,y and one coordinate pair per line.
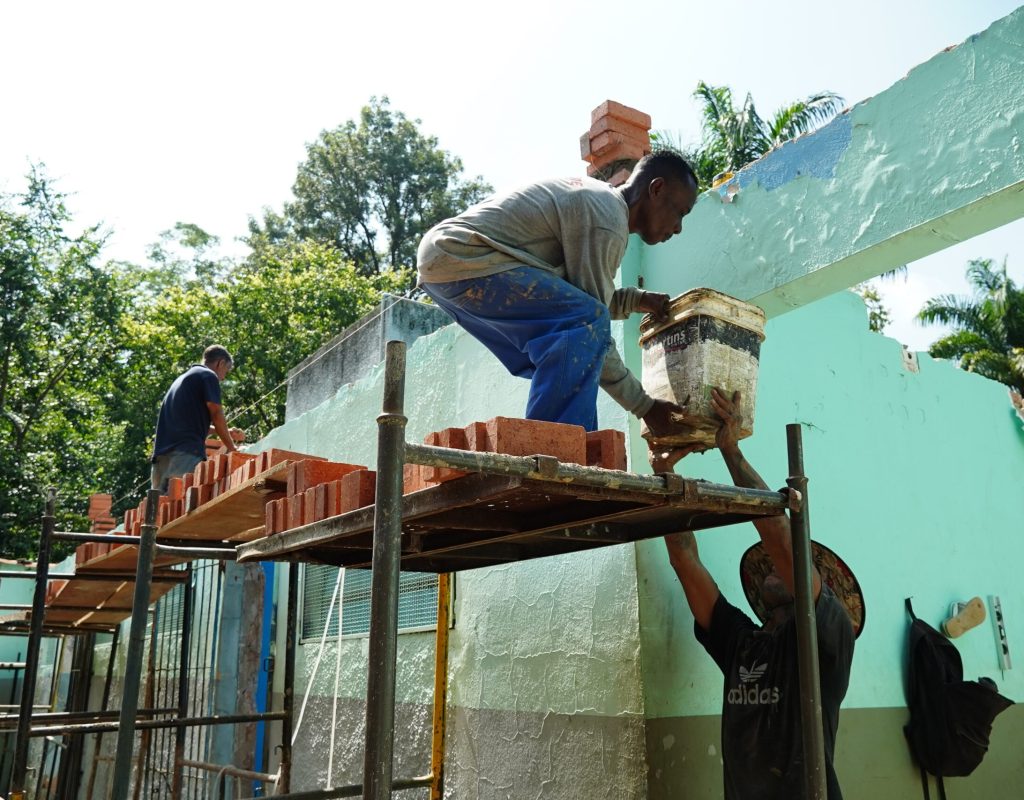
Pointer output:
x,y
387,533
136,645
28,686
806,629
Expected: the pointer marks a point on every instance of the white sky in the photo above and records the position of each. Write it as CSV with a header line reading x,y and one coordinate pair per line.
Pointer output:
x,y
151,113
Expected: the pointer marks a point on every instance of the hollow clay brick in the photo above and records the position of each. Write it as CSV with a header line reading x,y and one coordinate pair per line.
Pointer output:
x,y
610,108
606,449
99,505
358,490
527,437
187,480
310,472
449,437
620,177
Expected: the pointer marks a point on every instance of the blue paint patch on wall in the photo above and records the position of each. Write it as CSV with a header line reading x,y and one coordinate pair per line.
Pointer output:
x,y
815,154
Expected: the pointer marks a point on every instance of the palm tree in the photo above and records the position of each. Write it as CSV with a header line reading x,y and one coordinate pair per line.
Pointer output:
x,y
733,137
988,329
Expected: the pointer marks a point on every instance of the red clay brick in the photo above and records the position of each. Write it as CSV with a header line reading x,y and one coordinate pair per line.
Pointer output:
x,y
99,505
269,518
309,506
615,125
309,472
129,519
296,505
620,177
273,457
449,437
319,502
605,142
187,480
476,437
205,493
412,478
585,152
281,514
357,490
528,437
333,498
623,151
606,449
610,108
175,488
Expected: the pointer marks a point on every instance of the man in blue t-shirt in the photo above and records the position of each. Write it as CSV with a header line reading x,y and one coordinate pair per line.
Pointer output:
x,y
190,406
762,746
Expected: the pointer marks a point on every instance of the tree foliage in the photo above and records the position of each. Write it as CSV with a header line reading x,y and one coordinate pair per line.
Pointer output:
x,y
988,328
371,189
60,335
732,137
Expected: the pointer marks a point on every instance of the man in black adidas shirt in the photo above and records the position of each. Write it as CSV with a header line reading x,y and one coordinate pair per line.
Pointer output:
x,y
762,748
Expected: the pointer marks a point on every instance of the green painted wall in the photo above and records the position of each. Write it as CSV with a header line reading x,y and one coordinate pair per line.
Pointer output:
x,y
916,480
931,161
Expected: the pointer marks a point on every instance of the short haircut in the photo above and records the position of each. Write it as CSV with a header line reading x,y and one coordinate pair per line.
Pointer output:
x,y
215,353
667,163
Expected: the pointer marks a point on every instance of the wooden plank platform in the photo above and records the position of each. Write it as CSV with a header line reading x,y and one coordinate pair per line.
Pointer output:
x,y
481,520
125,558
92,602
233,513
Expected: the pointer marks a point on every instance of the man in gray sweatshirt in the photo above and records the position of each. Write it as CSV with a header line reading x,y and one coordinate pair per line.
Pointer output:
x,y
531,275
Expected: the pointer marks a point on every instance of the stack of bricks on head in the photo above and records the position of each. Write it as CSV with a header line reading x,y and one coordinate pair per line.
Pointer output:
x,y
319,489
619,136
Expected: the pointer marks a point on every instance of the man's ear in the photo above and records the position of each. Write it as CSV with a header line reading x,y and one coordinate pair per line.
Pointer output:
x,y
655,186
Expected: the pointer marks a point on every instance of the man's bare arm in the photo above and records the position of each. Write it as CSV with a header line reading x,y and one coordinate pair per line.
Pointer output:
x,y
775,532
220,425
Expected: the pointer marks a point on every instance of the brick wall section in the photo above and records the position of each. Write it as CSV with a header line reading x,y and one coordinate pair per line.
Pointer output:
x,y
619,136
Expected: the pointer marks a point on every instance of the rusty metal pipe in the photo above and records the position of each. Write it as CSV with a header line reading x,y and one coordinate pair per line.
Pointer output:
x,y
806,627
387,534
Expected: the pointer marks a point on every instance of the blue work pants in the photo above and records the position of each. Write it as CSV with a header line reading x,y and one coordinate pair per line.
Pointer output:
x,y
542,328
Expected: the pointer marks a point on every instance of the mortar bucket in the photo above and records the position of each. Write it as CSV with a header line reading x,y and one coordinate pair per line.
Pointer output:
x,y
709,340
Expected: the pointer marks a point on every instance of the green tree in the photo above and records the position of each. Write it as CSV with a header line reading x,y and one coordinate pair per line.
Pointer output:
x,y
371,189
988,328
60,315
271,311
733,137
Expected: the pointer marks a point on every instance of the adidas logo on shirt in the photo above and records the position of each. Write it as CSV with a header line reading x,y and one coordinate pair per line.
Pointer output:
x,y
750,693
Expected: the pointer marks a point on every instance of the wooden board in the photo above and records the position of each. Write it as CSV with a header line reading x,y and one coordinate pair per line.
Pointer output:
x,y
81,602
481,520
125,558
232,513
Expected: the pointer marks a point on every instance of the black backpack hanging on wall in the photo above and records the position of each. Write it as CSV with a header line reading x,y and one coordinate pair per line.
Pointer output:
x,y
950,718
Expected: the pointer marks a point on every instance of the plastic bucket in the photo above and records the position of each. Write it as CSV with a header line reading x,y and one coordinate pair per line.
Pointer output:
x,y
709,340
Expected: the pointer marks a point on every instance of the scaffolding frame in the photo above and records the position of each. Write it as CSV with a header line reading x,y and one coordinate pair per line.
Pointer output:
x,y
390,509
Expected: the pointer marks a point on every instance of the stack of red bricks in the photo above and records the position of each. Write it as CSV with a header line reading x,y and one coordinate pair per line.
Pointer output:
x,y
102,522
319,489
215,446
619,136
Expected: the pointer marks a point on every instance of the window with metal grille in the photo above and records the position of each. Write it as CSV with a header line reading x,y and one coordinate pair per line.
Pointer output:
x,y
417,601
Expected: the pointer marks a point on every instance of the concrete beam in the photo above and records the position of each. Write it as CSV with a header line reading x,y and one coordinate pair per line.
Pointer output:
x,y
935,159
